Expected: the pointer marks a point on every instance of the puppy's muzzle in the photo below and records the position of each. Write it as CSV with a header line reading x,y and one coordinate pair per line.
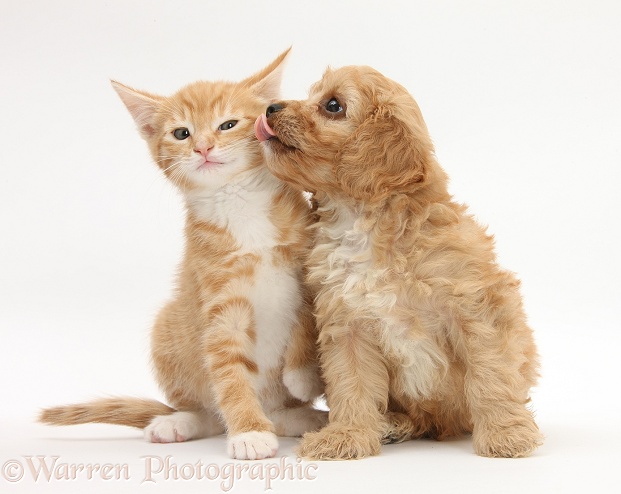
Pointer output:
x,y
273,109
262,128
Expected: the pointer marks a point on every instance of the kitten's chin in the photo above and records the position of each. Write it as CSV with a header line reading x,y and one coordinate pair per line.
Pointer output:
x,y
209,165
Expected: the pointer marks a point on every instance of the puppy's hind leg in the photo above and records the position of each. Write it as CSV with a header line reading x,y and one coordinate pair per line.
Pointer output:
x,y
500,370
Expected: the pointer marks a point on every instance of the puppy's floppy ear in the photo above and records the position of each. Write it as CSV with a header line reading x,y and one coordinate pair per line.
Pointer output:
x,y
386,154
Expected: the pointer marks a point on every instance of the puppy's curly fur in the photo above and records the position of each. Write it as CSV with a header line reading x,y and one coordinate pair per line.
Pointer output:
x,y
422,333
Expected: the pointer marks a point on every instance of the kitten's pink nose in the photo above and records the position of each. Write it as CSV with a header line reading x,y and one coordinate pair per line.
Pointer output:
x,y
204,150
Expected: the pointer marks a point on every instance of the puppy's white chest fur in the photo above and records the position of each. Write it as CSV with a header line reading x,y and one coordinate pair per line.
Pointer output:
x,y
348,264
371,292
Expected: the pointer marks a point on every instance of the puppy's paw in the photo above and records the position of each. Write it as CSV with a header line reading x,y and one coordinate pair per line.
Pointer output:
x,y
303,383
398,427
253,445
513,441
340,442
174,428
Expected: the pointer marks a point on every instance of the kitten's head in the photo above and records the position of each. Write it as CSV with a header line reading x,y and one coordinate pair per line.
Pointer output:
x,y
202,136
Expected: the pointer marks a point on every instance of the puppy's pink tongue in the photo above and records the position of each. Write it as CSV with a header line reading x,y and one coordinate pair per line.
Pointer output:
x,y
262,129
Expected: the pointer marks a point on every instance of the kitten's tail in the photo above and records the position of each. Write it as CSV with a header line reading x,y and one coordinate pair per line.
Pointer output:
x,y
134,412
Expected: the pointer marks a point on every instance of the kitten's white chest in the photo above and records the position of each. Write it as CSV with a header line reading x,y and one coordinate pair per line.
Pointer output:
x,y
276,299
243,209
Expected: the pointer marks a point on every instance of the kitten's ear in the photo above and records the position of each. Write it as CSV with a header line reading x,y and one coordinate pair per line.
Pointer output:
x,y
266,83
142,106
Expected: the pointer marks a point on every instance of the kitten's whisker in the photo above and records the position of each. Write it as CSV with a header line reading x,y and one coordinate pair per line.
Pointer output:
x,y
176,163
176,176
166,158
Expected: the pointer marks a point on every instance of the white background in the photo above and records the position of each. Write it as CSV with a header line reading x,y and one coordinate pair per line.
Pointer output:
x,y
523,101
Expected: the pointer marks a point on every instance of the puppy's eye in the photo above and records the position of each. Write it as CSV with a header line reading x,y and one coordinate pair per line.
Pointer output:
x,y
181,133
333,106
229,124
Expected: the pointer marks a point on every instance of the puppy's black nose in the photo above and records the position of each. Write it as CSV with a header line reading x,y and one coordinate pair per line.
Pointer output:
x,y
273,109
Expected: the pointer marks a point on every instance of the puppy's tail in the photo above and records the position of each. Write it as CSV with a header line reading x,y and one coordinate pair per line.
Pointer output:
x,y
133,412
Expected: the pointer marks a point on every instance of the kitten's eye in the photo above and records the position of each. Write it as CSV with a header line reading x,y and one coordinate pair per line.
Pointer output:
x,y
181,133
333,106
229,124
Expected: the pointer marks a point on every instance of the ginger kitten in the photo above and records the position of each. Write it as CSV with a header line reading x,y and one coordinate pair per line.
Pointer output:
x,y
235,348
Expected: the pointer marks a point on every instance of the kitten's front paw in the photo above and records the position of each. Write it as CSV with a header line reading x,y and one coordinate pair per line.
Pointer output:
x,y
253,445
174,428
339,442
303,383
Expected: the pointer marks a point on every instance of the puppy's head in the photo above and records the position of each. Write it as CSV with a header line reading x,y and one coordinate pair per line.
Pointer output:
x,y
359,134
